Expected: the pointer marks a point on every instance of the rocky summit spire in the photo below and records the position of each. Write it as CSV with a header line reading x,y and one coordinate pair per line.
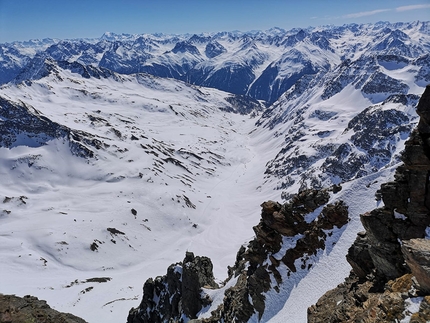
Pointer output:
x,y
391,259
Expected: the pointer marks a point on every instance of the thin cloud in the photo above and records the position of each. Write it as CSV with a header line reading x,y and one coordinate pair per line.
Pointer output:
x,y
366,13
413,7
378,11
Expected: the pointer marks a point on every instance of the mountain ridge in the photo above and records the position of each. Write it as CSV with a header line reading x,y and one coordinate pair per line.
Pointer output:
x,y
174,167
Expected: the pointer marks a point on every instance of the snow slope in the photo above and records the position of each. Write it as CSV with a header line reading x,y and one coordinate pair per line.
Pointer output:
x,y
175,173
172,168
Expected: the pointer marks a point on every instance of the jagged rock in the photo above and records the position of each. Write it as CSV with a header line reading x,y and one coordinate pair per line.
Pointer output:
x,y
21,124
176,295
196,273
14,309
356,301
417,256
257,267
384,249
392,245
424,112
406,213
307,221
359,257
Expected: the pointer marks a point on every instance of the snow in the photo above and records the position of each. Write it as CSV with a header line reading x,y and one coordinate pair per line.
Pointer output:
x,y
413,306
56,205
332,267
400,216
70,202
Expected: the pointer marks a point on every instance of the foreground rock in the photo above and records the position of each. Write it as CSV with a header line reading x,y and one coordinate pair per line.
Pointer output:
x,y
391,259
288,241
177,294
14,309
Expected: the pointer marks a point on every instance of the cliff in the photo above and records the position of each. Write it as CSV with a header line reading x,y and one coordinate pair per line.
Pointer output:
x,y
288,240
390,260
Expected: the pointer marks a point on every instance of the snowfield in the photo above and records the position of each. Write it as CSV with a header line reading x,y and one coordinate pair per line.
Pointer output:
x,y
167,167
56,205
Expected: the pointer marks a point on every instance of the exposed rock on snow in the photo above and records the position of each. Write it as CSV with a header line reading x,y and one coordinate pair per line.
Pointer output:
x,y
417,257
21,124
392,246
288,240
176,295
173,165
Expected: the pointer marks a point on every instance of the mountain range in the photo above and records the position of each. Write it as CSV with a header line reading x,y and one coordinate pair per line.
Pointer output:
x,y
119,154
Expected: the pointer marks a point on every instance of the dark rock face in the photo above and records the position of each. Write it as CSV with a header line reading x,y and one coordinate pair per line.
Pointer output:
x,y
290,235
270,85
31,309
21,124
185,47
417,256
178,294
392,246
258,265
406,213
214,49
352,302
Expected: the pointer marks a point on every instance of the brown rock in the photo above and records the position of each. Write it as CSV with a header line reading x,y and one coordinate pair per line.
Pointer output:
x,y
359,257
14,309
355,301
417,256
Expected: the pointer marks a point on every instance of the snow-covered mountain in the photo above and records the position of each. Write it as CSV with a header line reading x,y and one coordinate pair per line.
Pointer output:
x,y
119,154
262,65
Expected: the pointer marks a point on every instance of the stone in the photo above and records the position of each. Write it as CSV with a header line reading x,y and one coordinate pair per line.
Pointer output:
x,y
14,309
390,260
356,301
423,314
417,256
177,294
424,112
359,257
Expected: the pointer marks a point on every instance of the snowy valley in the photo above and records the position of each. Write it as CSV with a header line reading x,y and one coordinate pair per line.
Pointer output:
x,y
120,154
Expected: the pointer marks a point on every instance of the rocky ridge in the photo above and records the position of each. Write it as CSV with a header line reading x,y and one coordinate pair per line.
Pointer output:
x,y
288,240
262,65
31,309
22,124
391,259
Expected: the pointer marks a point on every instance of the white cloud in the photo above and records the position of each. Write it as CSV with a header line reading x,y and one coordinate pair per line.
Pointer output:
x,y
377,11
413,7
365,13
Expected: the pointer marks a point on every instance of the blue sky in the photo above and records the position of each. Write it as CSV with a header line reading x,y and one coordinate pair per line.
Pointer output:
x,y
31,19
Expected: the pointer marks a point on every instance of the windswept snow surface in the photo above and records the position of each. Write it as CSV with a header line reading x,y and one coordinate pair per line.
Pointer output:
x,y
174,172
192,172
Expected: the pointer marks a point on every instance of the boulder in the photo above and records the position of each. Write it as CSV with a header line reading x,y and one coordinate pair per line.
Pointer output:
x,y
31,309
417,256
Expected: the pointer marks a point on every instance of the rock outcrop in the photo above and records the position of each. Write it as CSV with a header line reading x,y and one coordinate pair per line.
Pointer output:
x,y
288,240
394,249
14,309
21,124
177,294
